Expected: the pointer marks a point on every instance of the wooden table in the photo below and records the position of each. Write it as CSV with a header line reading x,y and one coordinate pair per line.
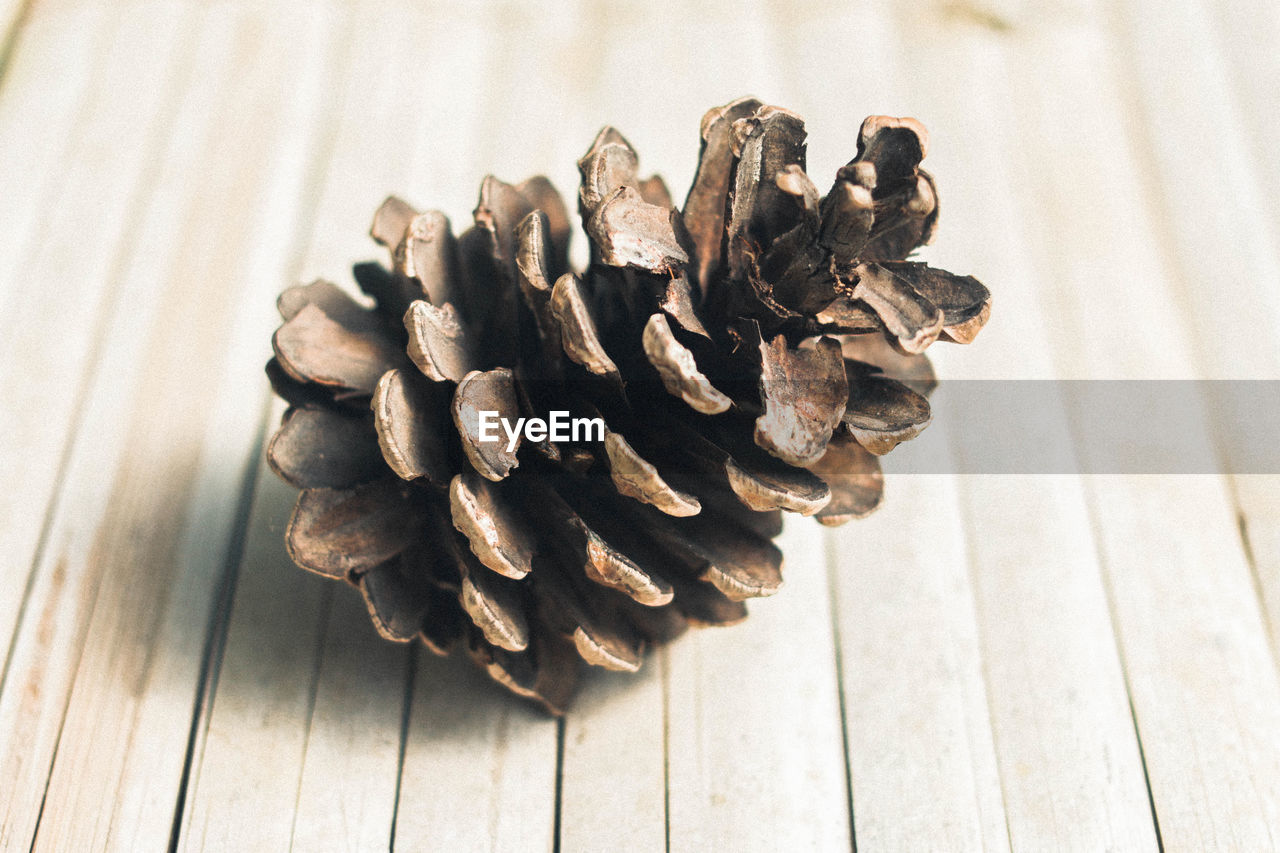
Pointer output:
x,y
990,662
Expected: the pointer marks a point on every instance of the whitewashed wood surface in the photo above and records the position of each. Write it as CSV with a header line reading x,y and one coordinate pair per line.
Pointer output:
x,y
988,663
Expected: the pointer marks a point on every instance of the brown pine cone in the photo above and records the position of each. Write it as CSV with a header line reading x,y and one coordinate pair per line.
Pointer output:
x,y
752,353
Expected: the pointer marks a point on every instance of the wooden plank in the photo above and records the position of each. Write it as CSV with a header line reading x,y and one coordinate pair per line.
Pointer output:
x,y
1223,220
1201,673
347,792
42,108
1180,74
1070,767
43,388
1222,225
613,782
479,769
45,99
754,742
919,739
340,705
172,403
1243,35
381,135
246,771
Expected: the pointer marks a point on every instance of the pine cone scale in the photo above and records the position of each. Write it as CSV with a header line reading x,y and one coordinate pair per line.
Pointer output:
x,y
490,391
342,532
497,534
320,447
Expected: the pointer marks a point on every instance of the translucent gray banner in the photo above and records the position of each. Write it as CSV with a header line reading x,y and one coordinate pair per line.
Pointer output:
x,y
980,426
1098,427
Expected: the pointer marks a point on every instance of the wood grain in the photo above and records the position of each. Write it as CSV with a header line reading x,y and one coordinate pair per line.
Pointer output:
x,y
46,98
251,743
1200,670
51,119
921,754
1070,768
618,721
479,772
129,718
1231,199
341,699
987,663
754,744
123,592
347,792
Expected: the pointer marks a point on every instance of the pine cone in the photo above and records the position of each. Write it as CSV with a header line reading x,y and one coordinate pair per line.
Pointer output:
x,y
755,352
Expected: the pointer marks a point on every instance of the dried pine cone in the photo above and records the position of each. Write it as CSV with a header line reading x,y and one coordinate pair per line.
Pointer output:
x,y
752,353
